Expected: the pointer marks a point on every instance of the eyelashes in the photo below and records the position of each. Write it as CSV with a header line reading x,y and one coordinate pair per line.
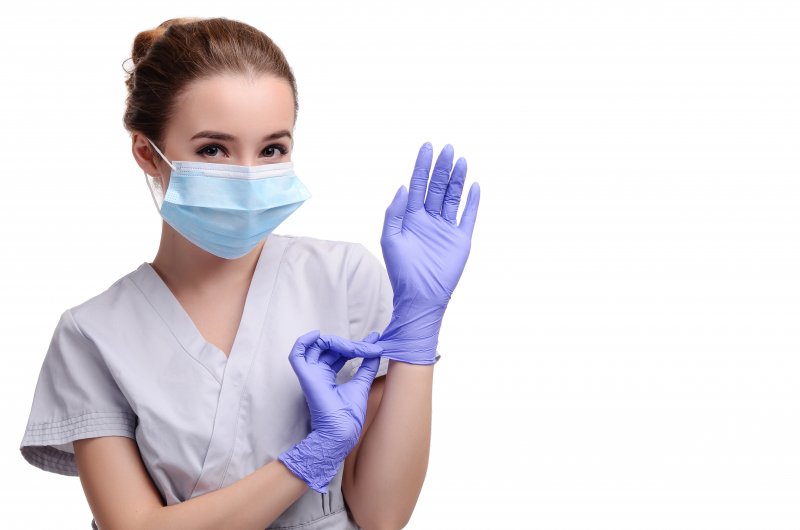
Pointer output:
x,y
281,149
270,149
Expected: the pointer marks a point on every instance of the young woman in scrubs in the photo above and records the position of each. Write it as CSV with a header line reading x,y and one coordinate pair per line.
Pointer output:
x,y
170,393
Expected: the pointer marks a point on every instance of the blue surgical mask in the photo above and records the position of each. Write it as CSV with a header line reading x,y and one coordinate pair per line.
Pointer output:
x,y
227,209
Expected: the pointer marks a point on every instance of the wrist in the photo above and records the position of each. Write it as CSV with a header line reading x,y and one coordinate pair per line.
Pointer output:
x,y
316,459
412,336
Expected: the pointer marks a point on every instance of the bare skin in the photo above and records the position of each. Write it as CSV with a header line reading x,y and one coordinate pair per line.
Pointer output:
x,y
381,492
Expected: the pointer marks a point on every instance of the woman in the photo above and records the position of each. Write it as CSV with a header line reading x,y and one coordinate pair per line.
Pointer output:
x,y
170,394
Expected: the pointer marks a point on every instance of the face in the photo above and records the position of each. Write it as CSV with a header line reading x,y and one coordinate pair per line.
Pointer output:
x,y
226,119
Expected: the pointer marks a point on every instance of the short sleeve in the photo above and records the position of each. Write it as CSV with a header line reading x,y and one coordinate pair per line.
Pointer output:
x,y
369,305
76,397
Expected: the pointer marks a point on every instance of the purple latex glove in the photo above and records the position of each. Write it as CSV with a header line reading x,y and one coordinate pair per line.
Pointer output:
x,y
337,356
425,253
337,411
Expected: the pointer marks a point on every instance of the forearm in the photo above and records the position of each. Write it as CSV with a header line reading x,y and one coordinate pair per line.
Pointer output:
x,y
393,455
252,502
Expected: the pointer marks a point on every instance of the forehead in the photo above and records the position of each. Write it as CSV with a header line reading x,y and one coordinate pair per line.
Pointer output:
x,y
247,107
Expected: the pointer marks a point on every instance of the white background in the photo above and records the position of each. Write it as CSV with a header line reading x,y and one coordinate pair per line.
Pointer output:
x,y
623,351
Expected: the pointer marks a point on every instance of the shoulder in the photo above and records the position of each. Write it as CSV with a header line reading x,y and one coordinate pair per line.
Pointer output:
x,y
316,246
106,303
329,254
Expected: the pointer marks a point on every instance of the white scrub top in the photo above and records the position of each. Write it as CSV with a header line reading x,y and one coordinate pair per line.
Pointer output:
x,y
130,362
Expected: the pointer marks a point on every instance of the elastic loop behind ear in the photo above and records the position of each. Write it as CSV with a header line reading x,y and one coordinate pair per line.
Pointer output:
x,y
151,184
160,153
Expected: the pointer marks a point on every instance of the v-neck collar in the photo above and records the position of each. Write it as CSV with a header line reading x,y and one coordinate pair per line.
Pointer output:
x,y
186,332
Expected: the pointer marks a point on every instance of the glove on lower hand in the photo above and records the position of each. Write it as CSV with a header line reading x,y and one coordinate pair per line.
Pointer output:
x,y
337,411
425,253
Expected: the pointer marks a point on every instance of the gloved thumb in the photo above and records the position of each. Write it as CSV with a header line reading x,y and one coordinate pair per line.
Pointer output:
x,y
366,372
393,220
297,356
372,338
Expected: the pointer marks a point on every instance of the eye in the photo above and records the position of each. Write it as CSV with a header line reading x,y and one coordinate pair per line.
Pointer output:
x,y
271,150
210,150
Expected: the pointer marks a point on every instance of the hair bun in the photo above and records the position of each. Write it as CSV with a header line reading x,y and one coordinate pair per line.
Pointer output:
x,y
145,39
142,43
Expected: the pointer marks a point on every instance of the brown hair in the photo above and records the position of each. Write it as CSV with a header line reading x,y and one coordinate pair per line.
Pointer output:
x,y
181,50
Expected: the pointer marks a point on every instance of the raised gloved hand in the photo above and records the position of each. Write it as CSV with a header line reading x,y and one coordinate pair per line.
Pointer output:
x,y
337,411
425,253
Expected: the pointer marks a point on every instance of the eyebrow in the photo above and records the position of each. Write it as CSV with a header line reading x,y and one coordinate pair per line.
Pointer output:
x,y
230,138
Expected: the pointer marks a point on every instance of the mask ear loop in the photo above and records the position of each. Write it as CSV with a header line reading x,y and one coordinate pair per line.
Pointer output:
x,y
152,186
161,154
151,180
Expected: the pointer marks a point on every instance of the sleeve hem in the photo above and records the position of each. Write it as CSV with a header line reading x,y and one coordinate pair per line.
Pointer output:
x,y
37,444
383,367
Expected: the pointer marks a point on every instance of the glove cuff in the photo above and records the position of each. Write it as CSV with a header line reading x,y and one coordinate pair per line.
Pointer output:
x,y
412,336
315,460
404,357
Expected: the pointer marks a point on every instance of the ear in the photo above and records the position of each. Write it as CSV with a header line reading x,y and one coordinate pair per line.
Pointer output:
x,y
148,159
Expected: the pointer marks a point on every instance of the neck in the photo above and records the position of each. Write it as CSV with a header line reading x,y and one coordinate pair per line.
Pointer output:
x,y
182,265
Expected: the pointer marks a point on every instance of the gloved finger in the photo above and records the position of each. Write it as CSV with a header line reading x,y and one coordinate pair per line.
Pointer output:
x,y
439,180
318,377
333,359
314,350
467,223
372,338
310,377
298,352
452,198
366,372
349,348
419,178
393,219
